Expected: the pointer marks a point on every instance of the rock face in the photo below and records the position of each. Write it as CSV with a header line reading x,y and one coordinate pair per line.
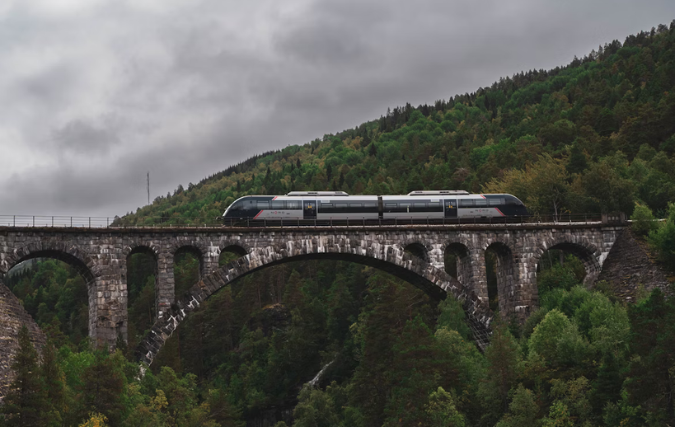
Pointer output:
x,y
12,317
629,266
414,252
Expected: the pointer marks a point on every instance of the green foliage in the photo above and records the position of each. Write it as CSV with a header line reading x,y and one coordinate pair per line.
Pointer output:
x,y
102,387
663,238
315,409
503,357
651,379
25,402
643,220
556,277
413,374
442,411
452,317
56,296
558,341
523,409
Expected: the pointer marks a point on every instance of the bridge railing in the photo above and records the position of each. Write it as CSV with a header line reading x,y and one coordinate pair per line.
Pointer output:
x,y
54,221
42,221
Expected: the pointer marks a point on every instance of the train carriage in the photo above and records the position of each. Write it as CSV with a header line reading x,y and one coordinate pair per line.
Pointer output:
x,y
417,206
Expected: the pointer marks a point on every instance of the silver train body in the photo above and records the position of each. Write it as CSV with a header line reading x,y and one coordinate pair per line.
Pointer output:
x,y
337,205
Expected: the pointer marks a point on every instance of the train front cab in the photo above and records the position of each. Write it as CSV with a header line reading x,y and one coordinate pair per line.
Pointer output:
x,y
497,205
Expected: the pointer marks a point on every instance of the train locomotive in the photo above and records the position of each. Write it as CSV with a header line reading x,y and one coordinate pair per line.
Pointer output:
x,y
416,206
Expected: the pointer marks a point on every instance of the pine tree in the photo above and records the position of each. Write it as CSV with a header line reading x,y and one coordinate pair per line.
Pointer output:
x,y
503,357
101,389
577,162
293,296
54,385
651,382
414,372
24,403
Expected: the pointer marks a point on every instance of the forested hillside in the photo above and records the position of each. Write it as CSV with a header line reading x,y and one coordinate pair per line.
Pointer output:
x,y
599,132
596,135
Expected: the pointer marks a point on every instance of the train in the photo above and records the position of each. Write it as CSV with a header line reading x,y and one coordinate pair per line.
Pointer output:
x,y
416,206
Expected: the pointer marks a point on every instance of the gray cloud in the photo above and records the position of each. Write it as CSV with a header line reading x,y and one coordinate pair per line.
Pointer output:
x,y
96,93
82,136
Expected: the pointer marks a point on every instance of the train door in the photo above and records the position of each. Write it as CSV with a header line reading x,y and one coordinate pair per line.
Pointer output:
x,y
309,209
450,208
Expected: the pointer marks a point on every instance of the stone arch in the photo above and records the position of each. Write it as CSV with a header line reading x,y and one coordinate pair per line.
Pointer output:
x,y
459,253
417,249
506,274
148,248
580,247
239,245
143,249
153,252
67,253
64,252
392,259
194,250
236,248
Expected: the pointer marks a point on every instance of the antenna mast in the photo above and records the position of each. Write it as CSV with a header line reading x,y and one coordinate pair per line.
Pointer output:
x,y
148,187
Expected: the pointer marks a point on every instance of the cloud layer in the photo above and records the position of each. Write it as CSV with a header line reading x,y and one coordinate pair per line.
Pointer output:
x,y
97,93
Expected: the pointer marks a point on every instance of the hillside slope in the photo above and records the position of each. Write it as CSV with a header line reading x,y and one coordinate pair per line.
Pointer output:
x,y
600,130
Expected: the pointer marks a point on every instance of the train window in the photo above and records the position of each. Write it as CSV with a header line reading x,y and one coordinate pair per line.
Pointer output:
x,y
278,204
419,207
341,205
435,207
369,207
355,205
292,204
391,205
326,205
263,205
481,202
465,203
496,202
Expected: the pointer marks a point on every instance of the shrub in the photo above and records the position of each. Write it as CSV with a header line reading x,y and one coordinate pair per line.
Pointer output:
x,y
643,220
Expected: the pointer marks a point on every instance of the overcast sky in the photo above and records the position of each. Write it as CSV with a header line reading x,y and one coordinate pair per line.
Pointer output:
x,y
95,93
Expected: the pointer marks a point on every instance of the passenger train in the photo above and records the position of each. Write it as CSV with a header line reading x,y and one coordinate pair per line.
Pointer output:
x,y
417,206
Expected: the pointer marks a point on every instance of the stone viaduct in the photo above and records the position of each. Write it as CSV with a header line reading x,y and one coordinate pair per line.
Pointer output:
x,y
413,252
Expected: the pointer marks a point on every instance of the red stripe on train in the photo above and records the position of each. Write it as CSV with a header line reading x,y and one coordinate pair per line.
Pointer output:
x,y
500,212
257,215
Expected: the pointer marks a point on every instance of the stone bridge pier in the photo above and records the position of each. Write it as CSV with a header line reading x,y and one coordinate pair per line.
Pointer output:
x,y
415,253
